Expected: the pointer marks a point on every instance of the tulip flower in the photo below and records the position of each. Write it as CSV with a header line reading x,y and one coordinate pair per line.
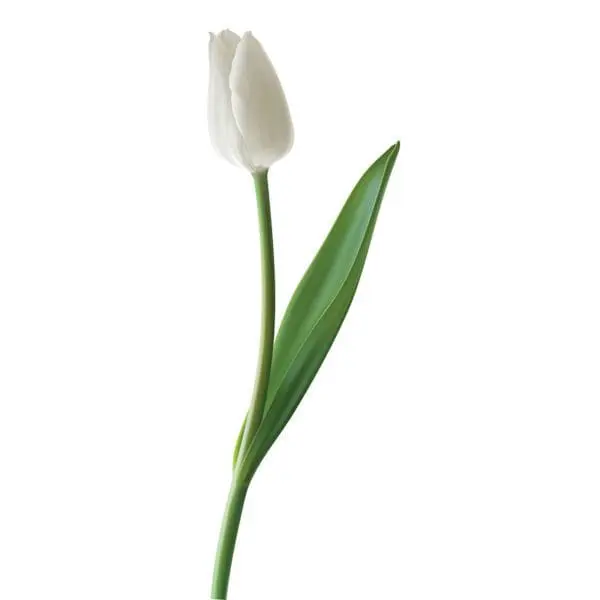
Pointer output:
x,y
248,115
249,125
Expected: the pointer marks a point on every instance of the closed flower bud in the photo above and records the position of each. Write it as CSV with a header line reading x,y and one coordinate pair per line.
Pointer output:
x,y
248,115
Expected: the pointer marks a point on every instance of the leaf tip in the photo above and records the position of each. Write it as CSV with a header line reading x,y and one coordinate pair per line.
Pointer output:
x,y
390,154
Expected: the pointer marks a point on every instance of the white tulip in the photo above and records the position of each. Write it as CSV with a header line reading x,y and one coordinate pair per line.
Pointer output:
x,y
248,115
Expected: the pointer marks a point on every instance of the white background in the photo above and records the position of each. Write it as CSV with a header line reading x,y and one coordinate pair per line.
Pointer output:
x,y
450,446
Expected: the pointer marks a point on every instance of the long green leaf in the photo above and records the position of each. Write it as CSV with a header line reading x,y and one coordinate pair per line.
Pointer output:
x,y
318,308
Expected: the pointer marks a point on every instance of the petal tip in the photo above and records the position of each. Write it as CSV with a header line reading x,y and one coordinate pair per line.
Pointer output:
x,y
228,33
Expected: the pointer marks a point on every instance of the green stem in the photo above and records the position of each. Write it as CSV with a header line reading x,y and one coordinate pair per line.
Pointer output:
x,y
265,354
227,537
237,494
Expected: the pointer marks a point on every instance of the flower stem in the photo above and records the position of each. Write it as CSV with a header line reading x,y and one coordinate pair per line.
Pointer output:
x,y
227,538
265,354
239,487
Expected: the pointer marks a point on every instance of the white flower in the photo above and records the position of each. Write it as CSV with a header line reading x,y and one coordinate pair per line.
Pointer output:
x,y
248,116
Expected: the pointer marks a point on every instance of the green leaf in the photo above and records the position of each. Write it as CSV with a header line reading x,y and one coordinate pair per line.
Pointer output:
x,y
318,308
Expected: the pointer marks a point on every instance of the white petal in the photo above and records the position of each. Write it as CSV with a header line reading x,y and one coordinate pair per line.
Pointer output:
x,y
230,39
222,127
259,105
